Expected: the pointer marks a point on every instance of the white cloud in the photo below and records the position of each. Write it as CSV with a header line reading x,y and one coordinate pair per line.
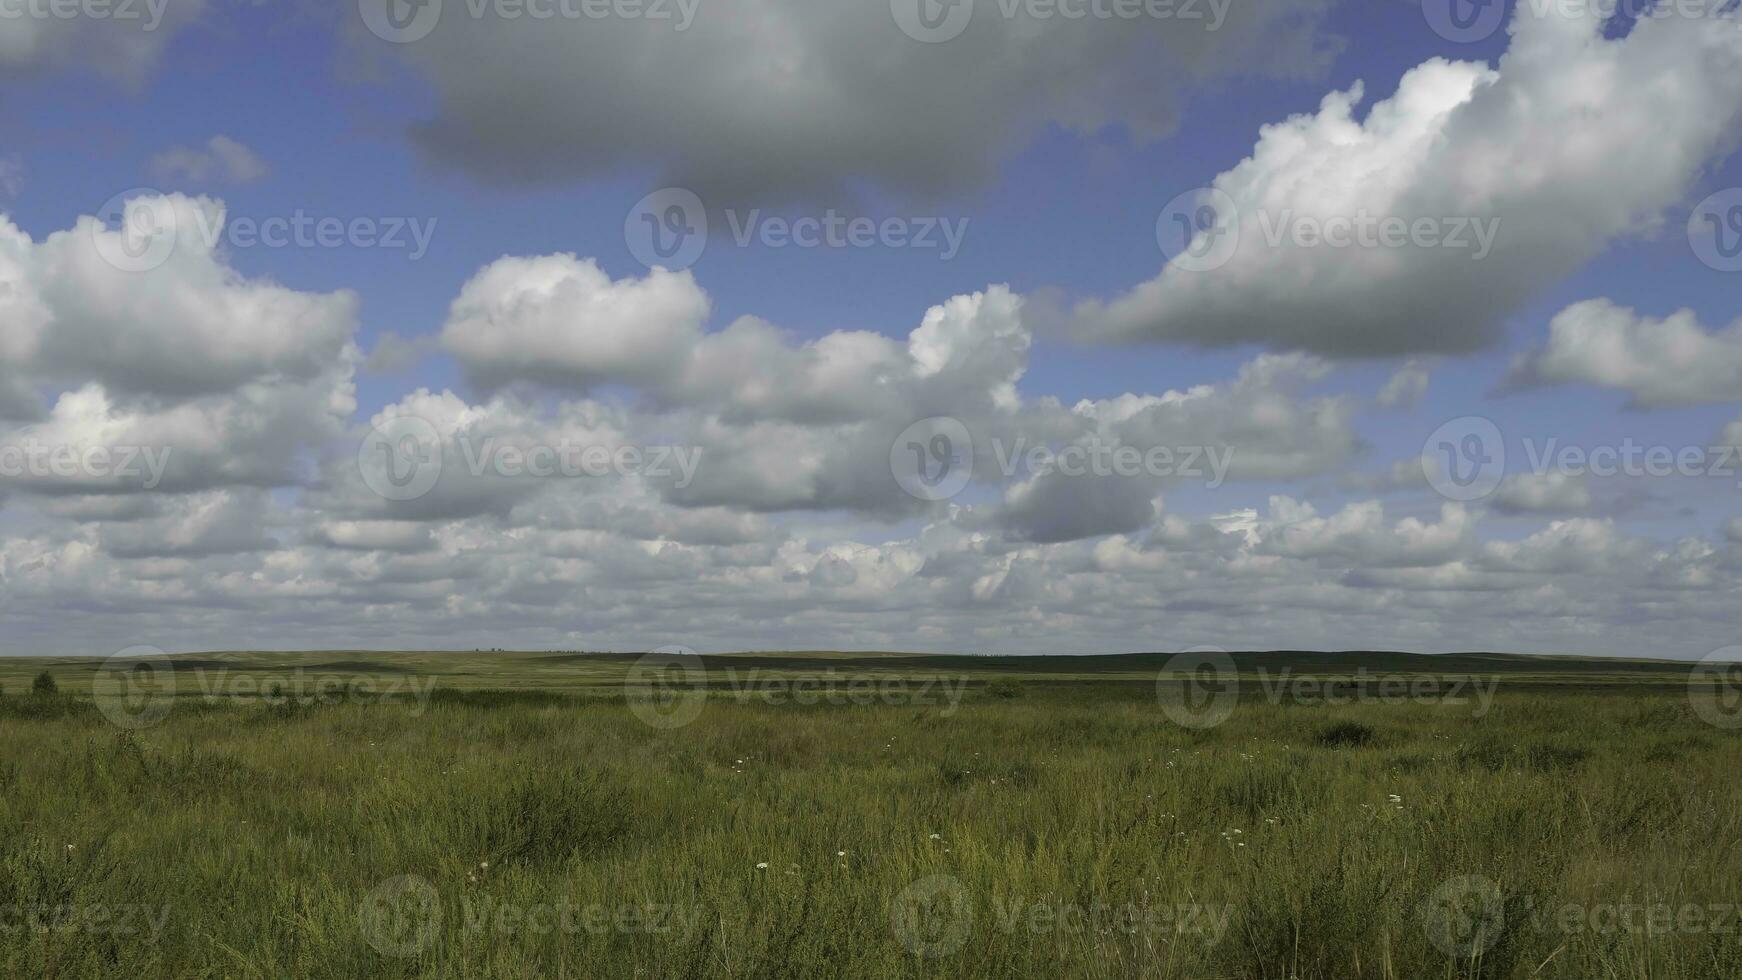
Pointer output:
x,y
1406,388
562,320
1526,153
224,380
1358,535
796,98
1543,493
221,159
126,45
1672,361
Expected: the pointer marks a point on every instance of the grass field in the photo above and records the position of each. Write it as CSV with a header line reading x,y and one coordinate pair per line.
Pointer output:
x,y
516,815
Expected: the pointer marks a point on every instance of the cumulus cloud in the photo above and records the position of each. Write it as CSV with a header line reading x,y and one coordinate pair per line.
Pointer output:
x,y
215,523
220,159
786,425
11,174
1508,172
1359,536
562,320
172,376
1672,361
785,99
1406,388
1523,493
126,46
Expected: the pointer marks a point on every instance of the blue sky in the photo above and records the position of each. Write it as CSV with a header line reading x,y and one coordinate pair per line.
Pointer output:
x,y
1064,213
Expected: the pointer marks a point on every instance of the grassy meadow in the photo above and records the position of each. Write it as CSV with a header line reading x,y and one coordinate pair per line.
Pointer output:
x,y
517,815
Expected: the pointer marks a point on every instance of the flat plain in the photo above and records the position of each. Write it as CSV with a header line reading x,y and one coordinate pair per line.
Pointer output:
x,y
485,814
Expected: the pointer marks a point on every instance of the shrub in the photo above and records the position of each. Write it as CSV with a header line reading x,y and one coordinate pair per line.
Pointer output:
x,y
1346,735
44,684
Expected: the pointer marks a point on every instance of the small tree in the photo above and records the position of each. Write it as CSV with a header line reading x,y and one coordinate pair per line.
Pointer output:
x,y
44,684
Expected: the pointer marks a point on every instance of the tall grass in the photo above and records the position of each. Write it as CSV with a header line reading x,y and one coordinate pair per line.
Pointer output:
x,y
1038,831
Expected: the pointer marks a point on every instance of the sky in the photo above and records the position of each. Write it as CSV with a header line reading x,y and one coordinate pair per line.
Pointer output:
x,y
980,326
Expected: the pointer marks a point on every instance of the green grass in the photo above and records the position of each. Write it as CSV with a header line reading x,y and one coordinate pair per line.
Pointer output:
x,y
521,819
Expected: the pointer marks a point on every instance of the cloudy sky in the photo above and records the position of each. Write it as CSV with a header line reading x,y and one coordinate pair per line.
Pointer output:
x,y
984,326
